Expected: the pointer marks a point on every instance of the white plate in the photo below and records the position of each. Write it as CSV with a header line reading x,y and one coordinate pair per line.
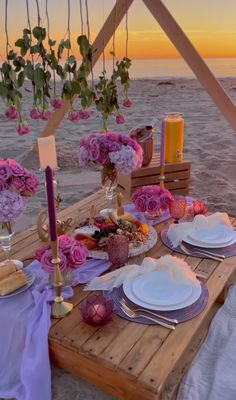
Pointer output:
x,y
30,280
133,251
209,245
128,290
217,235
18,263
158,288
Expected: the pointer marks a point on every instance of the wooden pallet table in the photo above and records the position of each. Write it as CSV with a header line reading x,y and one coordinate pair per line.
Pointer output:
x,y
177,177
129,360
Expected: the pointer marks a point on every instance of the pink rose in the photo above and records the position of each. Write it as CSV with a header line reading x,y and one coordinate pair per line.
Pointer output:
x,y
31,183
57,102
165,200
15,168
65,243
103,158
120,119
73,116
18,184
46,115
84,114
23,128
78,254
153,204
46,259
35,113
127,103
94,153
11,113
199,207
5,171
140,203
40,251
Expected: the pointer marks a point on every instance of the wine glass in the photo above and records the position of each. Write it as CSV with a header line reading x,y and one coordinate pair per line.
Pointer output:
x,y
177,208
109,184
7,230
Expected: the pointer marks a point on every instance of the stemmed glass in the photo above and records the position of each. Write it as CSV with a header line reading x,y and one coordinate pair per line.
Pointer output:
x,y
109,184
177,208
7,230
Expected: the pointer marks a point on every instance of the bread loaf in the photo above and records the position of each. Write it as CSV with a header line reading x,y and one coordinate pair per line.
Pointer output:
x,y
12,282
7,269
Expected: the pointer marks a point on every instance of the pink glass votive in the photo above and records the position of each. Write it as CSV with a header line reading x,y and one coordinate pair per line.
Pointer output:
x,y
118,250
177,208
97,310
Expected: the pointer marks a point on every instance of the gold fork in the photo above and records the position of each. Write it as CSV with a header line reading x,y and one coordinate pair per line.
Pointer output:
x,y
133,314
136,309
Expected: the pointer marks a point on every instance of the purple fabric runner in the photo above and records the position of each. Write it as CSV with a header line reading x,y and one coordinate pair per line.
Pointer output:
x,y
182,315
25,323
130,208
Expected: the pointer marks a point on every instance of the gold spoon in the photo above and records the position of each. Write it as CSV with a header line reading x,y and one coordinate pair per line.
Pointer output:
x,y
92,215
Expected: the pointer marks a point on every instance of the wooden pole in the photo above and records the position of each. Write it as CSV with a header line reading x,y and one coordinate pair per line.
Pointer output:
x,y
111,24
193,59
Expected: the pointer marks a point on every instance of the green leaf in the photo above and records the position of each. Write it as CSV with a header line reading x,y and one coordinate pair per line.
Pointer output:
x,y
21,78
35,49
66,44
67,87
3,90
83,45
11,55
71,60
29,71
39,33
26,31
20,43
23,51
75,87
39,78
51,42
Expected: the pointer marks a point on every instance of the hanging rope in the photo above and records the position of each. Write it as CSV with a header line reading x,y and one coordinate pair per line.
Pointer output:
x,y
81,17
68,27
6,28
38,12
127,30
114,39
48,23
88,30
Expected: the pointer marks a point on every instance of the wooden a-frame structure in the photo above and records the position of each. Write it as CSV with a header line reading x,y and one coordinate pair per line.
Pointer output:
x,y
182,44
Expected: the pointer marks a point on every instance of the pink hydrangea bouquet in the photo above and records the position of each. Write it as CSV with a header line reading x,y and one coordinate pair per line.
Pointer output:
x,y
72,253
16,178
111,148
151,199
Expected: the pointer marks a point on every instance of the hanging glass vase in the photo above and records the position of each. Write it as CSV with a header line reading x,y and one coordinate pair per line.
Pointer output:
x,y
109,184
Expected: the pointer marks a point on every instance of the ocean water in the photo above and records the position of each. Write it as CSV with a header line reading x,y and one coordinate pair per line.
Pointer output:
x,y
172,68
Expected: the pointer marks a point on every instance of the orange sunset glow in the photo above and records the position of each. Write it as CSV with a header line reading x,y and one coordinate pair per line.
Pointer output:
x,y
211,26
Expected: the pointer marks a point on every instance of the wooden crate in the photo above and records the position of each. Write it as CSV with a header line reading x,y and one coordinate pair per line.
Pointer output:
x,y
177,177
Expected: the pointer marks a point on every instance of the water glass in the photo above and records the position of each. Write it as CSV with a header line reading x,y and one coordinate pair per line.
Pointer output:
x,y
118,250
7,230
177,208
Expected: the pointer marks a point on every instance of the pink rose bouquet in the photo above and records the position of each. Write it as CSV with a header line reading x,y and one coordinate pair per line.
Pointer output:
x,y
151,198
111,148
16,178
72,253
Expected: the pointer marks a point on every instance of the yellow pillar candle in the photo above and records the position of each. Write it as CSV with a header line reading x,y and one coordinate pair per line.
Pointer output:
x,y
174,137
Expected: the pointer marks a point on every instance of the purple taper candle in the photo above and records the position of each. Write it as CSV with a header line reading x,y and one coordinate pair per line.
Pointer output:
x,y
163,139
51,204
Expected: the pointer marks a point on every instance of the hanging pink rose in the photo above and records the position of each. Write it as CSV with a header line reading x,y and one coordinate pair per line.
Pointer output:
x,y
35,113
73,116
120,119
23,128
46,115
84,114
127,103
56,102
11,113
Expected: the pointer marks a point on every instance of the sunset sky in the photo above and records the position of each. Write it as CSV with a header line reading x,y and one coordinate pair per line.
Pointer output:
x,y
210,25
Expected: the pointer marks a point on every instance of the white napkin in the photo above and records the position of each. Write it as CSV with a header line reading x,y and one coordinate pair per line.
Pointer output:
x,y
178,232
178,270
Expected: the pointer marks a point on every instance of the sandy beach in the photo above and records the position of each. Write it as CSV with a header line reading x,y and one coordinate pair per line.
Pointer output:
x,y
210,145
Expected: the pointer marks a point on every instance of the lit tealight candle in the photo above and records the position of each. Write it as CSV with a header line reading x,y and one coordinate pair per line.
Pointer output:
x,y
47,152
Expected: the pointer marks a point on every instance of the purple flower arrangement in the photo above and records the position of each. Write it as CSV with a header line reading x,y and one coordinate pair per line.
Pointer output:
x,y
11,205
72,253
111,148
16,178
151,198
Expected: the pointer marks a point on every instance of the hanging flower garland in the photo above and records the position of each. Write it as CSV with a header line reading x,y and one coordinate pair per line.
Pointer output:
x,y
40,62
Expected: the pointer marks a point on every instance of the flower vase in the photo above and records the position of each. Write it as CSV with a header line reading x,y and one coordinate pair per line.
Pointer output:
x,y
7,230
153,214
109,184
67,277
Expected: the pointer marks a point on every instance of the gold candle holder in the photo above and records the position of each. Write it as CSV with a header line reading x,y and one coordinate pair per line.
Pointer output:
x,y
60,308
162,176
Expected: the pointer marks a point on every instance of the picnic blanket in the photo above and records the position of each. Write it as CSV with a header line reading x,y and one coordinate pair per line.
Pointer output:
x,y
213,371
